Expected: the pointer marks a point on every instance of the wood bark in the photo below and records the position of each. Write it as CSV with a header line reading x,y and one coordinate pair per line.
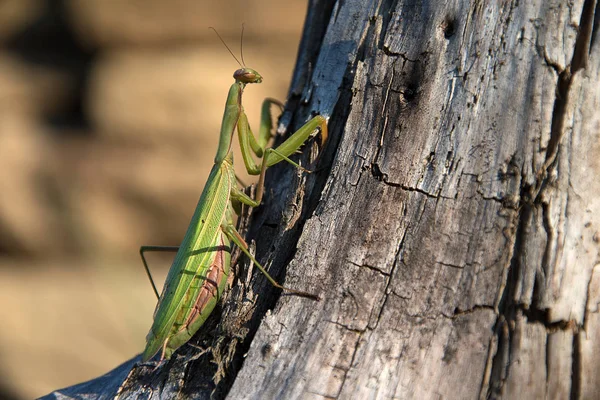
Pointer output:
x,y
452,227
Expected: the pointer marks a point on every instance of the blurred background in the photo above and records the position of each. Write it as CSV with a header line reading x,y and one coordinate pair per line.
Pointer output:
x,y
109,119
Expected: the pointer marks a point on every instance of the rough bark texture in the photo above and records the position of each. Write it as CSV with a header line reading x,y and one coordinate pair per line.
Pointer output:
x,y
453,229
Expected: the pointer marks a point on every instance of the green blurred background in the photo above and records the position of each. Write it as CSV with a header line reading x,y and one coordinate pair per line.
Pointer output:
x,y
109,119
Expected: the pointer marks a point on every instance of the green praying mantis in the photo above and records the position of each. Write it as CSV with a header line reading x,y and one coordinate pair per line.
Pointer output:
x,y
200,270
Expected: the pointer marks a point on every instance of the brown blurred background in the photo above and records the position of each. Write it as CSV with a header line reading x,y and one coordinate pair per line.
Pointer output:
x,y
109,119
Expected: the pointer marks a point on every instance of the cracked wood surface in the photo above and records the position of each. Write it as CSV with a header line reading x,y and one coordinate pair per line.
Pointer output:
x,y
457,235
455,240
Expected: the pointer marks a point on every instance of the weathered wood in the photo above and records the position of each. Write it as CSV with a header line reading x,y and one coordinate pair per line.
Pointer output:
x,y
454,227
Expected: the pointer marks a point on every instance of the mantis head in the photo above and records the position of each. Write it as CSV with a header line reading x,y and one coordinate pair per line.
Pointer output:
x,y
247,75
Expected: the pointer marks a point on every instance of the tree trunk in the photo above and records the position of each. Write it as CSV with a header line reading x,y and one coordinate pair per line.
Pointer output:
x,y
452,227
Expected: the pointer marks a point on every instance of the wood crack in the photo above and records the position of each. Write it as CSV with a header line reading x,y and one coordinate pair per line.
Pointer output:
x,y
383,177
370,267
354,351
563,86
576,369
458,312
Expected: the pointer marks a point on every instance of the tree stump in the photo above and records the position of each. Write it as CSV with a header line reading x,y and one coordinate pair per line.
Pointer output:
x,y
452,226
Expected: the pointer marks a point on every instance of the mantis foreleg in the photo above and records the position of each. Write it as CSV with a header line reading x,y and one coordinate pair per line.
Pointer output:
x,y
284,150
271,156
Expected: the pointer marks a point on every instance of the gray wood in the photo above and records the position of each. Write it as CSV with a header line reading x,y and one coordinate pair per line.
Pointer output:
x,y
452,227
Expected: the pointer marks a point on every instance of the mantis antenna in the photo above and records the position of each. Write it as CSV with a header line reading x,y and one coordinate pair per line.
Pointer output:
x,y
242,45
227,47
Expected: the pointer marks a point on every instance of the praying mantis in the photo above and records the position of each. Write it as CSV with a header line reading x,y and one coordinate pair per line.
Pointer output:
x,y
200,270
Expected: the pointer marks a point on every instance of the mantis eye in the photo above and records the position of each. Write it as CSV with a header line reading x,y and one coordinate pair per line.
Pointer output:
x,y
247,75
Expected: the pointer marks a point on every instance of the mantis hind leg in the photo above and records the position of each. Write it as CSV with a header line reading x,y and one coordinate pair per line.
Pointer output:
x,y
144,249
236,238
